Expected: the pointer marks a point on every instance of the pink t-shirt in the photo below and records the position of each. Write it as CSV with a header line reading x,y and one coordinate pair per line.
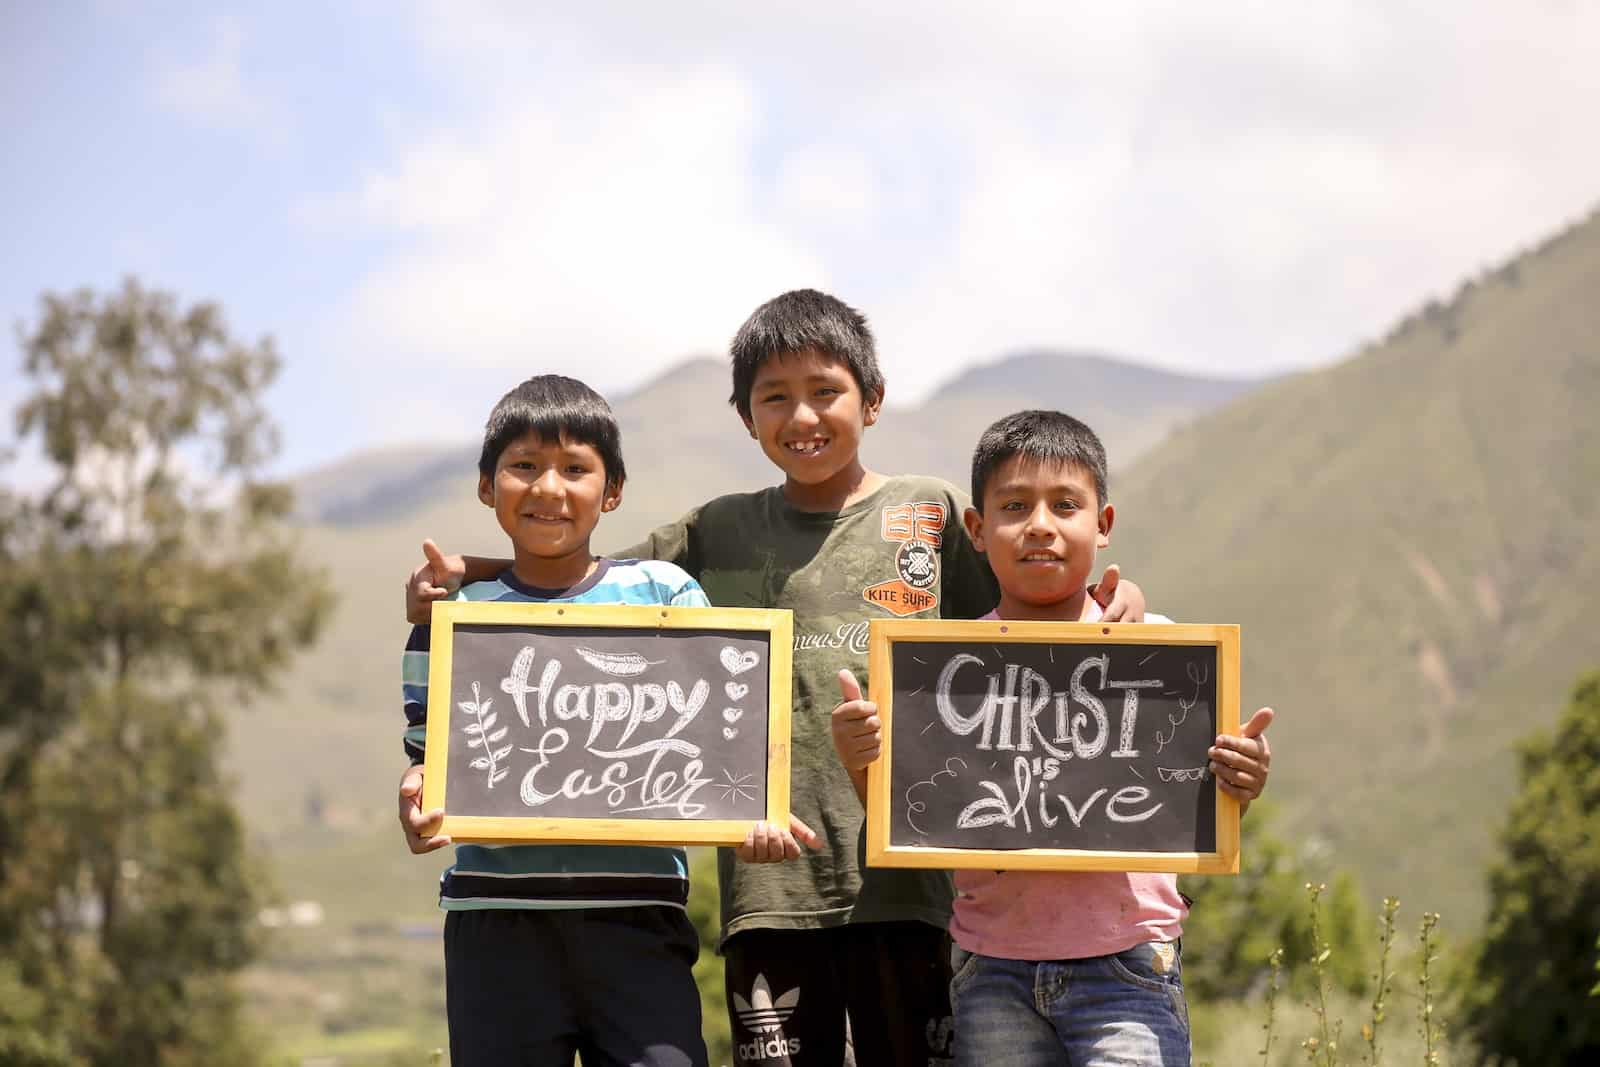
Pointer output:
x,y
1064,915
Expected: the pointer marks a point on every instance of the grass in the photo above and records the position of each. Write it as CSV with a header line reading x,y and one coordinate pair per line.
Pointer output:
x,y
1265,1030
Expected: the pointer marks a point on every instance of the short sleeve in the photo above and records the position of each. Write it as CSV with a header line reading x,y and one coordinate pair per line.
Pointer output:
x,y
969,587
690,596
673,543
414,692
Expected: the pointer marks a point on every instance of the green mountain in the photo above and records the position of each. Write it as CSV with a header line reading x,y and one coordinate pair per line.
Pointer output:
x,y
1410,541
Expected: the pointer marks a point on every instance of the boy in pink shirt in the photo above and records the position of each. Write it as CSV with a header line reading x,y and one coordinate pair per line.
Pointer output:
x,y
1080,969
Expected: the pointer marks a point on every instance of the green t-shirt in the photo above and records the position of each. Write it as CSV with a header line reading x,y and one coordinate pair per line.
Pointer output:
x,y
901,551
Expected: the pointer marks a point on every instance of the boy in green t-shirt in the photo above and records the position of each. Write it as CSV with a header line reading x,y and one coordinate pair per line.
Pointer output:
x,y
811,942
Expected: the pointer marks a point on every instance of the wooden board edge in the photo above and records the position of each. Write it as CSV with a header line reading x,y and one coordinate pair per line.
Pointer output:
x,y
1041,859
436,742
537,831
622,616
1127,633
880,691
1228,684
780,699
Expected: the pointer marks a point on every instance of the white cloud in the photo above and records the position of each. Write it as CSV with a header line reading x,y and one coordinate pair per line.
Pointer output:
x,y
596,241
1227,188
212,91
827,188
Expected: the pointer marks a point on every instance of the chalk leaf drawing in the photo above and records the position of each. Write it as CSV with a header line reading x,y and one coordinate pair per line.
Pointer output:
x,y
732,715
622,664
482,734
917,807
736,662
735,690
1183,774
729,732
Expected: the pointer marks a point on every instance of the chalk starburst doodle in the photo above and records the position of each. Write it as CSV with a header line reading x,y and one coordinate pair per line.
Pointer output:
x,y
736,788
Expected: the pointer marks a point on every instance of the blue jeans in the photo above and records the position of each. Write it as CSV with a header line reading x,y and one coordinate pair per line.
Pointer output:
x,y
1125,1010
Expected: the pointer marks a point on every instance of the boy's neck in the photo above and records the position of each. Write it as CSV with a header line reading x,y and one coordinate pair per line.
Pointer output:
x,y
853,483
1077,608
558,572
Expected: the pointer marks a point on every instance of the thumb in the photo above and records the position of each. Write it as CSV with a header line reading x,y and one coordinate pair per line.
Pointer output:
x,y
849,688
803,833
1258,723
1106,590
435,558
411,782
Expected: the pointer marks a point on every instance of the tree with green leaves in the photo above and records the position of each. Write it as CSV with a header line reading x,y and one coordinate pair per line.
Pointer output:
x,y
1530,1000
151,587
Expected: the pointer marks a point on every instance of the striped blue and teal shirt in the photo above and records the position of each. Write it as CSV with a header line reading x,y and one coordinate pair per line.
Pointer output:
x,y
556,876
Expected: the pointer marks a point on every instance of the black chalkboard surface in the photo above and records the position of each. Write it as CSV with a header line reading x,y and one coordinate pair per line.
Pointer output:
x,y
1068,746
580,722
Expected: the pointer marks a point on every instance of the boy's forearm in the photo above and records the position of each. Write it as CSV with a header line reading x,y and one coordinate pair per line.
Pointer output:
x,y
858,780
484,568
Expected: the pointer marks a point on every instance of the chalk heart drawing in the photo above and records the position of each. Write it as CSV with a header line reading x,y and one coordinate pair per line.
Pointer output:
x,y
738,662
732,715
735,690
729,732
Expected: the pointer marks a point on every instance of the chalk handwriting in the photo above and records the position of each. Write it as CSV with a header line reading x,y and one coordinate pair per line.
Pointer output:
x,y
1018,696
595,709
1126,805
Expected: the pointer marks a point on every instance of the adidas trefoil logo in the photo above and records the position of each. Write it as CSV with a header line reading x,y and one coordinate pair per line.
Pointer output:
x,y
765,1017
761,1013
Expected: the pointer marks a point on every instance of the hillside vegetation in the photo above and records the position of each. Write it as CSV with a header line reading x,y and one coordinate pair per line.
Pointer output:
x,y
1410,540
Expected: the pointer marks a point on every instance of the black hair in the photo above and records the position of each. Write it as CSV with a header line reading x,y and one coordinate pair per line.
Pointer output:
x,y
554,407
794,322
1048,436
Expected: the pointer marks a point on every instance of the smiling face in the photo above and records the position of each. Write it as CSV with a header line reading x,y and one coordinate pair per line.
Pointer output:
x,y
1041,525
548,496
808,413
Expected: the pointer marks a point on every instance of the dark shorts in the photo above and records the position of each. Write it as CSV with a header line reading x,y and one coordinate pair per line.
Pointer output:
x,y
534,987
790,991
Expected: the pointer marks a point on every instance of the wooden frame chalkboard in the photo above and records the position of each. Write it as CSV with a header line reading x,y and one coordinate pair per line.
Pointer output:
x,y
1052,746
622,724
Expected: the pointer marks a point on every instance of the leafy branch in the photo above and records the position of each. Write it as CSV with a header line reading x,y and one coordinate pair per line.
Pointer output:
x,y
479,735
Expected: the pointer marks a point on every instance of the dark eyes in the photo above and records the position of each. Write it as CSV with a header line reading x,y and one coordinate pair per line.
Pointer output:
x,y
779,398
1060,505
530,465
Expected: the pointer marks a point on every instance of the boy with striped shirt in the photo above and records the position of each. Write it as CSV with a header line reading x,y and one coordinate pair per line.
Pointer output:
x,y
557,949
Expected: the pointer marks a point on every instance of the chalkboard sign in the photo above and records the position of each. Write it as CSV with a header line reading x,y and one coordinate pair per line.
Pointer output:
x,y
1052,746
615,723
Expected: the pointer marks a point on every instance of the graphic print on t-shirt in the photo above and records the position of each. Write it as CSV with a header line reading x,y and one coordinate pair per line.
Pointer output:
x,y
919,530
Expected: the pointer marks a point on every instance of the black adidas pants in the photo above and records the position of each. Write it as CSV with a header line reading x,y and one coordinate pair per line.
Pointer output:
x,y
790,991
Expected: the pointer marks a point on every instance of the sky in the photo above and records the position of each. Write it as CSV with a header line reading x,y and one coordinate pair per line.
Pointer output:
x,y
425,203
